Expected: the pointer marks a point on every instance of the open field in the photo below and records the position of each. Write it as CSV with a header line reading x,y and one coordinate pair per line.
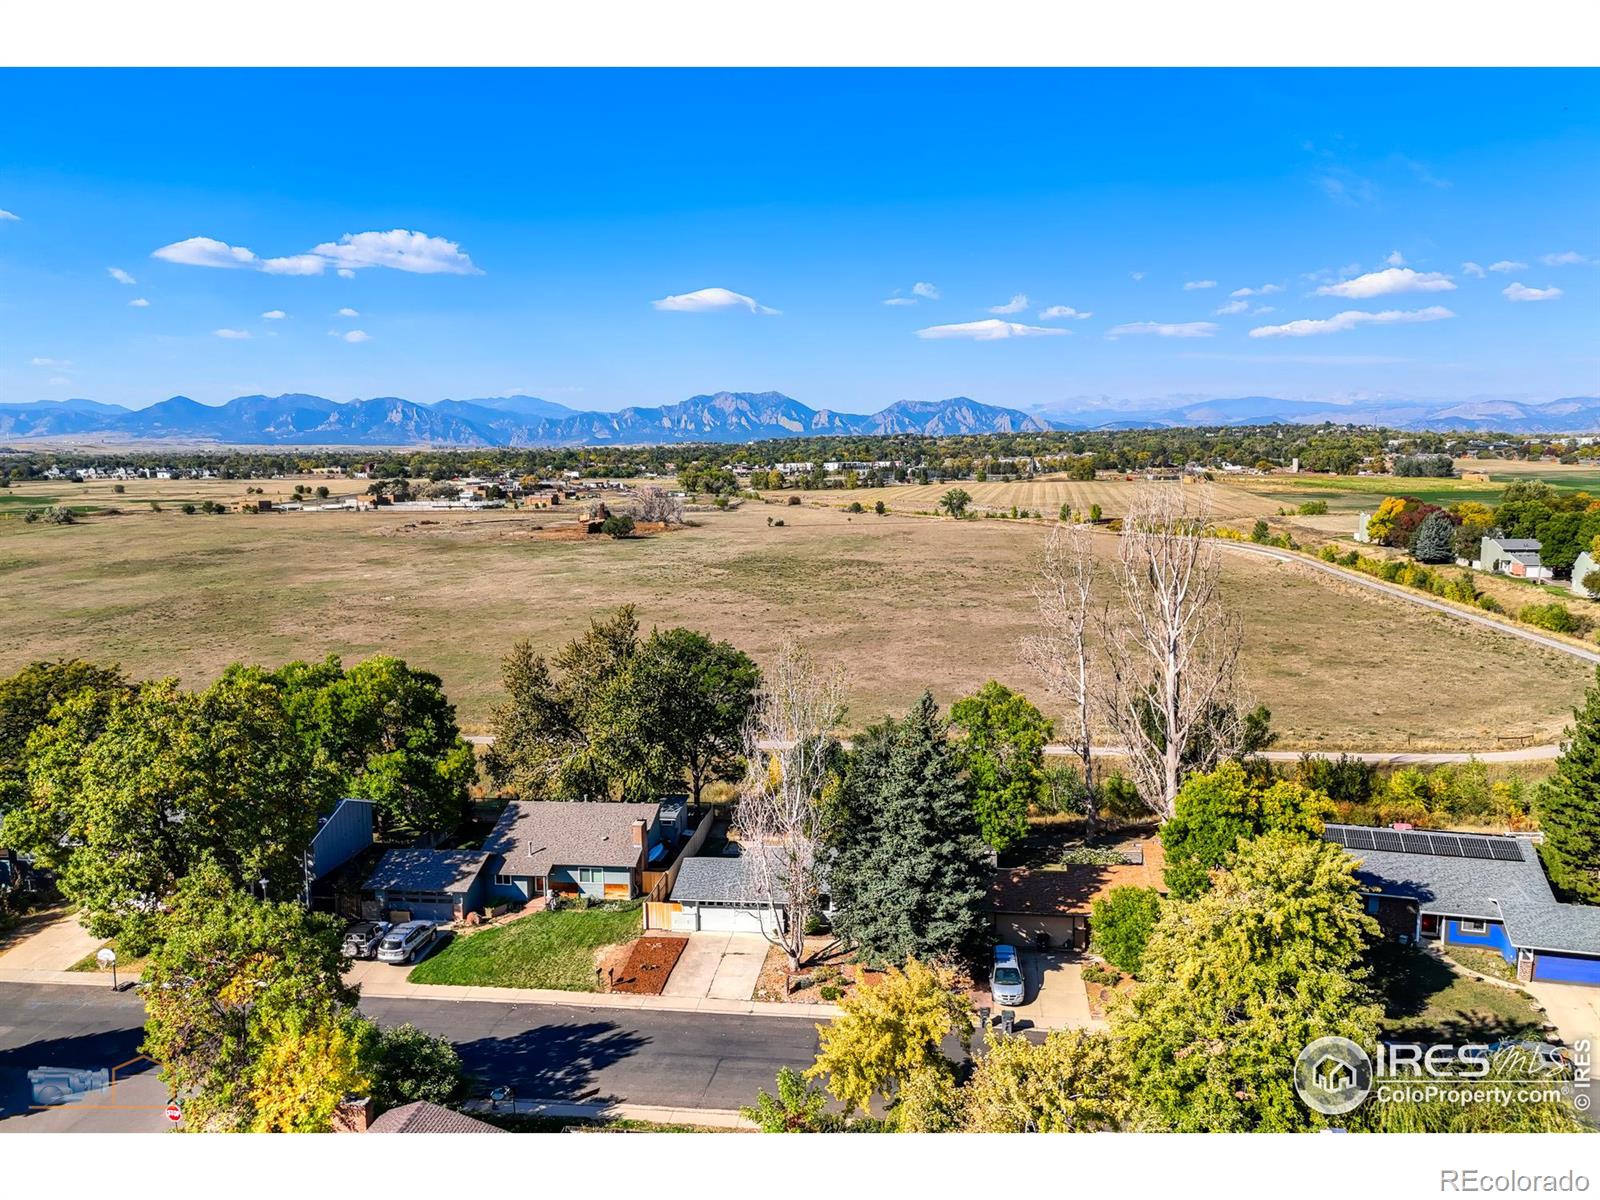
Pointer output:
x,y
1035,495
903,602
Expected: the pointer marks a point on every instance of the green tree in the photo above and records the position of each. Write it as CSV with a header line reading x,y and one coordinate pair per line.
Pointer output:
x,y
1434,541
799,1107
955,502
1568,807
1259,531
230,976
310,1059
909,873
1122,921
1214,813
27,700
408,1064
1002,750
889,1032
619,525
1072,1082
1237,981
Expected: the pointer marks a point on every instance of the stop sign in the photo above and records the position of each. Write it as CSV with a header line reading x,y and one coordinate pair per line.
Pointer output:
x,y
174,1113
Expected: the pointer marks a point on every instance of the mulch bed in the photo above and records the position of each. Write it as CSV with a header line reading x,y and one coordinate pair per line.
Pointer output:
x,y
649,962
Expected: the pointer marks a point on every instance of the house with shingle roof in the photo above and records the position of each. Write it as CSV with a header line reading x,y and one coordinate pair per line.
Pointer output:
x,y
1513,556
1030,906
432,885
1481,890
597,850
423,1116
724,893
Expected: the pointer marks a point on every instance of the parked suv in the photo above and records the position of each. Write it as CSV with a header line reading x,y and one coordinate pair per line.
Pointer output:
x,y
361,940
404,942
1005,981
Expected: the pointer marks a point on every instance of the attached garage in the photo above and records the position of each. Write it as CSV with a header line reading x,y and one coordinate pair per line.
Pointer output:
x,y
729,918
722,894
1069,932
430,885
1566,968
1031,906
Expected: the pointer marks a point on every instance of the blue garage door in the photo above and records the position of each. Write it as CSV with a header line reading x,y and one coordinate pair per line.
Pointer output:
x,y
1566,968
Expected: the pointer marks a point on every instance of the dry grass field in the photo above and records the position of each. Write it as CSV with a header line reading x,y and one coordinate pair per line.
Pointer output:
x,y
901,601
1044,495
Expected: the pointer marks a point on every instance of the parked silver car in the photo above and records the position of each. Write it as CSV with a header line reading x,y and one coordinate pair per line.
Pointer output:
x,y
1006,984
405,942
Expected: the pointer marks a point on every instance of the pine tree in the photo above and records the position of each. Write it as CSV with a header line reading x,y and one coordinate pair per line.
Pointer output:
x,y
1435,540
911,870
1569,807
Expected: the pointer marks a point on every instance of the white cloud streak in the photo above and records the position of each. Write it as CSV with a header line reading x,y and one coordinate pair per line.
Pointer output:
x,y
1233,307
1266,289
1472,269
1014,305
925,291
398,249
992,330
60,364
1344,321
141,302
120,275
1506,264
1519,294
348,312
1389,282
1187,329
232,335
1195,285
1567,258
1063,312
8,216
274,314
712,299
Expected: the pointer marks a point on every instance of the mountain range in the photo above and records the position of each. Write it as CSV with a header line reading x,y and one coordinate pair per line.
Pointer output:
x,y
304,420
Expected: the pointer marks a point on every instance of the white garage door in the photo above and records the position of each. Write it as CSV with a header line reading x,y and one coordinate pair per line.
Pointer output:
x,y
733,920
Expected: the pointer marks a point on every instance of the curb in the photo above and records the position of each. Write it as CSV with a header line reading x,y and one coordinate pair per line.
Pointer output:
x,y
596,1000
710,1118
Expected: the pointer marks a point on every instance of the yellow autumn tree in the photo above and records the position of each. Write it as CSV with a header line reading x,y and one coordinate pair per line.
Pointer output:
x,y
1381,523
1072,1082
890,1031
310,1064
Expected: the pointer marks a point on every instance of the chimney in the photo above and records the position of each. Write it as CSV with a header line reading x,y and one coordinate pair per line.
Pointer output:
x,y
353,1115
638,832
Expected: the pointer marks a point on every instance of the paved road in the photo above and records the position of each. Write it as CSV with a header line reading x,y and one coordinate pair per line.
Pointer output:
x,y
546,1052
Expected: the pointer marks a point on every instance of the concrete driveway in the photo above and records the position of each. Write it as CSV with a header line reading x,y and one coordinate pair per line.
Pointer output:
x,y
718,966
1054,994
53,946
1571,1008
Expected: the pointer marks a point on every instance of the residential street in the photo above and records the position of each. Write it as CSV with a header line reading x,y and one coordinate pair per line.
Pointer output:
x,y
545,1052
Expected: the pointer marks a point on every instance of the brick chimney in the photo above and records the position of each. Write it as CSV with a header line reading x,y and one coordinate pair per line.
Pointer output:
x,y
638,833
353,1115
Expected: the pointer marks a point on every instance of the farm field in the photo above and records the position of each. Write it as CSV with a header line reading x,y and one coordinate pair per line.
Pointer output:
x,y
901,601
1036,495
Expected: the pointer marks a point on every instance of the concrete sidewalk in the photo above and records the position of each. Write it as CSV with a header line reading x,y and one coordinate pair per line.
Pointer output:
x,y
709,1118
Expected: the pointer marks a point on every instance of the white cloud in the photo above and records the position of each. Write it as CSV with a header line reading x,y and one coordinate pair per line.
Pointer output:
x,y
1472,269
900,301
1195,285
1136,276
925,290
1350,320
120,275
1566,258
1266,289
1506,264
1014,305
1232,307
206,252
1063,312
1395,259
992,330
348,312
354,335
1517,293
274,314
1262,309
401,250
1387,283
232,335
60,364
1188,329
346,273
8,216
141,302
710,300
295,264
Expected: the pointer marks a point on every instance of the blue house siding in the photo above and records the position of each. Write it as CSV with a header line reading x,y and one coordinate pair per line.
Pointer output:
x,y
345,834
568,879
518,891
1566,968
1494,939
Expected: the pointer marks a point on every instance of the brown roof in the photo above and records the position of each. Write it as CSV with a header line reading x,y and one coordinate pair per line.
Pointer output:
x,y
1070,889
424,1117
534,835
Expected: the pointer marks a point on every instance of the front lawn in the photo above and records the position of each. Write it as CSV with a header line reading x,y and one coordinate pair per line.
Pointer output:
x,y
540,950
1425,1001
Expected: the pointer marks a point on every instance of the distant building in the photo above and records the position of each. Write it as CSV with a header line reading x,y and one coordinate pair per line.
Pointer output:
x,y
1513,556
1361,527
1581,567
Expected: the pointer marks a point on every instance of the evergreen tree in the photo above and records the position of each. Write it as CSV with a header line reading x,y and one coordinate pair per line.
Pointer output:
x,y
910,872
1568,806
1435,539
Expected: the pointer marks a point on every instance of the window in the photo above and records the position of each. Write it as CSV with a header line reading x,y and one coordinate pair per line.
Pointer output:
x,y
1372,904
1467,926
504,881
591,875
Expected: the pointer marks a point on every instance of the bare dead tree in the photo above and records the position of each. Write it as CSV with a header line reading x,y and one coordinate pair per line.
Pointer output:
x,y
1059,652
791,749
1171,646
656,505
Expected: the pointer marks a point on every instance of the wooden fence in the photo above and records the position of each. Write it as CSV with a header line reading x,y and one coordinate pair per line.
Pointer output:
x,y
658,884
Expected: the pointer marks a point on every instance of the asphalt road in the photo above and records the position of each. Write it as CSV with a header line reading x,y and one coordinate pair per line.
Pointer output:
x,y
546,1052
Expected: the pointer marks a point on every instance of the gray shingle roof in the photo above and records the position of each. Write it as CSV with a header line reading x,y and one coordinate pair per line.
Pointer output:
x,y
1518,543
425,1117
427,870
1516,893
532,836
723,879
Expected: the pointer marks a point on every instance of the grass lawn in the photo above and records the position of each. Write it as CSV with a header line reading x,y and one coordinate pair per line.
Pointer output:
x,y
541,950
1425,1001
127,968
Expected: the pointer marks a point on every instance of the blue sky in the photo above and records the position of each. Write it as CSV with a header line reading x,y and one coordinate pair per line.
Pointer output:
x,y
551,216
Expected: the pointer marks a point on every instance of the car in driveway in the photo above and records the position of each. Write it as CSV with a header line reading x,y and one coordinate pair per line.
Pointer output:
x,y
362,939
1006,983
406,942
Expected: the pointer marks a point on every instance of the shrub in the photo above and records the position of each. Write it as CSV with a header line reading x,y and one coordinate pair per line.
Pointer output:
x,y
855,507
1313,508
618,526
118,488
793,501
1329,553
188,509
1093,856
817,925
413,1065
1105,976
1490,604
1555,616
778,523
1122,920
1119,796
1259,532
830,992
880,508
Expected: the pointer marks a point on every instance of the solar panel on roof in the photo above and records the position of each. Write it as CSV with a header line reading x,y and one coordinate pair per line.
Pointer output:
x,y
1505,849
1334,833
1475,847
1445,843
1359,839
1416,843
1388,839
